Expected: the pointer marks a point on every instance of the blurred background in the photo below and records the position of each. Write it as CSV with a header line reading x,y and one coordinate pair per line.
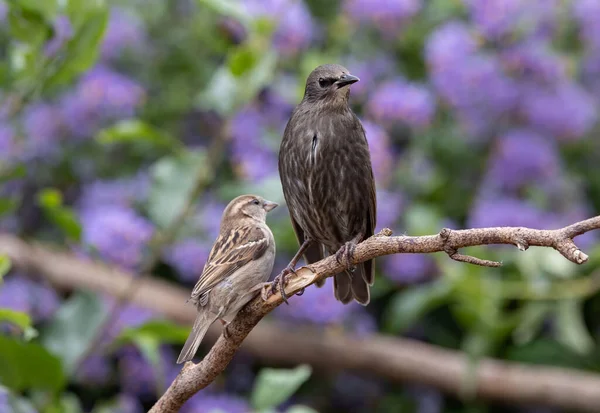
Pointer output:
x,y
126,127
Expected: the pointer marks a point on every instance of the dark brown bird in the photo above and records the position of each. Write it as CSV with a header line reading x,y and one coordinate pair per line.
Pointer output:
x,y
327,179
239,263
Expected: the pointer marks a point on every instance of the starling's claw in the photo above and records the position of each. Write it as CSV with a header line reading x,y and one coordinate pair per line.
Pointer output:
x,y
346,253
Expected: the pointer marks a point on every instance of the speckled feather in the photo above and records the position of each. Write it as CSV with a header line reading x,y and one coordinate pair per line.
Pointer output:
x,y
327,179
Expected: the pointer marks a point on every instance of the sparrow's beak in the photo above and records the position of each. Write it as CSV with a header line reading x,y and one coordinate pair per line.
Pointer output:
x,y
268,205
346,80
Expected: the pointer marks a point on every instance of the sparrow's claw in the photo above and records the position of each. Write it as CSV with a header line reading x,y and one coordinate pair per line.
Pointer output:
x,y
280,282
346,253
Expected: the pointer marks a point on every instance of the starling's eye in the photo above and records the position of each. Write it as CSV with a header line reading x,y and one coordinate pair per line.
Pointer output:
x,y
255,202
324,82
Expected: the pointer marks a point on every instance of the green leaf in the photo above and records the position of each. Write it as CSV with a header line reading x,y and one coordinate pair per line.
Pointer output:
x,y
408,306
81,51
28,26
47,8
241,61
27,365
20,319
63,217
531,320
545,351
570,327
13,172
286,381
134,131
73,327
8,205
173,179
4,266
68,403
226,8
162,331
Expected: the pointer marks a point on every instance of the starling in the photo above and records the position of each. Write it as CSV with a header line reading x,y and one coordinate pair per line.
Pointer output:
x,y
327,179
240,261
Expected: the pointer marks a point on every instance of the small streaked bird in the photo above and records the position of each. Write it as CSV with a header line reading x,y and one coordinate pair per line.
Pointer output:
x,y
240,261
327,179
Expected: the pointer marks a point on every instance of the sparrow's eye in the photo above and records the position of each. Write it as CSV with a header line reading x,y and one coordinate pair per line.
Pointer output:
x,y
255,202
324,82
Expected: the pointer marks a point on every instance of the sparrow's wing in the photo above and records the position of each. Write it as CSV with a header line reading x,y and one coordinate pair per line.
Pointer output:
x,y
232,250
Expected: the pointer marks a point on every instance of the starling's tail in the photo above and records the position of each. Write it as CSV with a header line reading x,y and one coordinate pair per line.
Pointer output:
x,y
204,319
348,286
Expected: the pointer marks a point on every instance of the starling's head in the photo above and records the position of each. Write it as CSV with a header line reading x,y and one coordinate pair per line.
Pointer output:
x,y
329,83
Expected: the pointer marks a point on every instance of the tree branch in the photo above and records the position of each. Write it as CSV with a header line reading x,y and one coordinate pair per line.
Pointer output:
x,y
394,358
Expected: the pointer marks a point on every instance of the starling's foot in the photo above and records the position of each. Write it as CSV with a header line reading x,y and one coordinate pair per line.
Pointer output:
x,y
280,281
225,330
346,253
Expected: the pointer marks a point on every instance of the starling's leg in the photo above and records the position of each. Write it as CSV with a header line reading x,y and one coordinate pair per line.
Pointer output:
x,y
290,269
346,253
225,325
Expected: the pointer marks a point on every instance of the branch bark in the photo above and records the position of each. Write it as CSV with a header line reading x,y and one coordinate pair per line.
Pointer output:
x,y
394,358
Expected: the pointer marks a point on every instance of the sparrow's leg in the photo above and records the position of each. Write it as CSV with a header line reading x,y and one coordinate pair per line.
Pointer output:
x,y
290,269
346,253
225,325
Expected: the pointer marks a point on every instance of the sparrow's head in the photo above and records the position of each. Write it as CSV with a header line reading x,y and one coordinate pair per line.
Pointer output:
x,y
329,83
248,206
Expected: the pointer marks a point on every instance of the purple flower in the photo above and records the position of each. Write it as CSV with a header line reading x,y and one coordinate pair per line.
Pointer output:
x,y
294,25
118,234
188,258
522,157
254,158
20,293
591,73
408,268
94,371
387,15
138,377
129,317
498,212
63,31
3,11
381,151
44,129
448,44
498,18
102,95
125,31
9,146
565,110
126,403
208,217
370,71
223,403
535,60
587,12
125,192
389,207
398,100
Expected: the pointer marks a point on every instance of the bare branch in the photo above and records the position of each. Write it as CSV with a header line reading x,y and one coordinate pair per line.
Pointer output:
x,y
390,357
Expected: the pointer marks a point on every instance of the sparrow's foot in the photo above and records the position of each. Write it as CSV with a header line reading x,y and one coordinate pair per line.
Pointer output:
x,y
280,282
346,253
225,330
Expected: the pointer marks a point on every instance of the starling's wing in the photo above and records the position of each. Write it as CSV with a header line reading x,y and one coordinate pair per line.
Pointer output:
x,y
232,250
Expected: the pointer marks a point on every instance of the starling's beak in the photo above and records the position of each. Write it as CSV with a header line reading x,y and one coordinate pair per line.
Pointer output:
x,y
268,205
346,80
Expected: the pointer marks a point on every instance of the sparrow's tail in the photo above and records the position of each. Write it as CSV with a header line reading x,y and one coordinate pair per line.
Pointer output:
x,y
204,319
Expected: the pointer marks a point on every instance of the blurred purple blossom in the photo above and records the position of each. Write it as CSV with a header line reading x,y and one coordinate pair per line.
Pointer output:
x,y
295,27
208,217
37,299
223,403
126,403
390,205
130,316
566,110
513,212
3,11
521,157
188,258
535,60
254,158
94,371
125,31
398,100
387,15
9,146
587,12
44,129
591,73
124,192
370,72
408,268
138,377
498,18
381,151
63,31
100,96
117,232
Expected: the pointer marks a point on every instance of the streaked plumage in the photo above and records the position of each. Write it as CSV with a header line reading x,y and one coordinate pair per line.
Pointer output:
x,y
327,179
240,260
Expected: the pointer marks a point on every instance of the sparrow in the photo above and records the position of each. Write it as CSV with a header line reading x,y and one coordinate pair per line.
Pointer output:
x,y
239,263
327,179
